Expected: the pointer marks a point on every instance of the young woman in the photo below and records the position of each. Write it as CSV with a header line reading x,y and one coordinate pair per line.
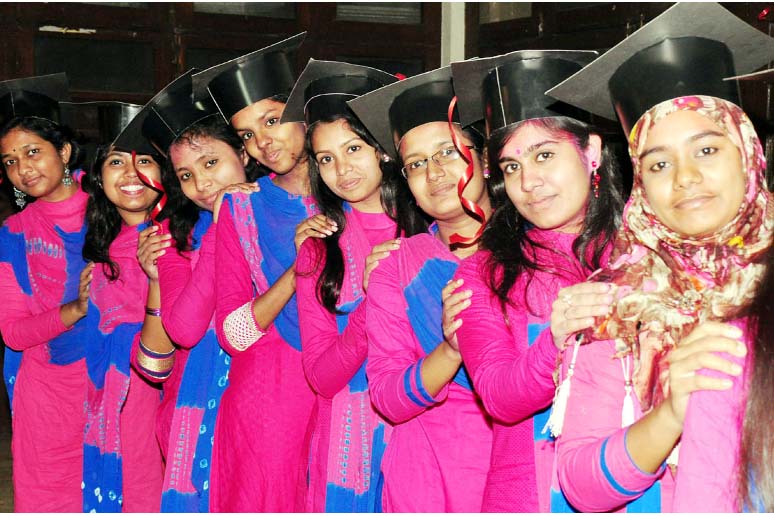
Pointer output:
x,y
205,160
439,450
44,287
565,206
122,466
359,187
260,454
686,265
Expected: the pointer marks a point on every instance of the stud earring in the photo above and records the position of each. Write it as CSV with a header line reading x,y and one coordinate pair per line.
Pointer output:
x,y
67,179
20,197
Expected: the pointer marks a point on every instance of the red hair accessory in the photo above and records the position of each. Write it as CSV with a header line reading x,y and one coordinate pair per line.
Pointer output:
x,y
400,76
155,185
472,208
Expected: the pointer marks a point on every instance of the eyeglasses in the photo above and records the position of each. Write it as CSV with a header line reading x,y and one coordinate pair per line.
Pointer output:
x,y
442,157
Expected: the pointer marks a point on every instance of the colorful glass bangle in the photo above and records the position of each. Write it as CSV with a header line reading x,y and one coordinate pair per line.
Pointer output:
x,y
154,364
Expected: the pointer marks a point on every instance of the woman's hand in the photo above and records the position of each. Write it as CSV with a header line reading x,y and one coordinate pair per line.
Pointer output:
x,y
379,252
84,289
575,309
150,246
699,350
246,188
75,310
453,304
317,226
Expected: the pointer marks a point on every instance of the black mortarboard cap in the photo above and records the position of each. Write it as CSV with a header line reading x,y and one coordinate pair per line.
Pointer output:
x,y
391,111
324,87
510,88
110,117
760,76
687,50
166,116
33,96
238,83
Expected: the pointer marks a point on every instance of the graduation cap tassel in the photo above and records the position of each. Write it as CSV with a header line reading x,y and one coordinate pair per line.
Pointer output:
x,y
155,185
471,207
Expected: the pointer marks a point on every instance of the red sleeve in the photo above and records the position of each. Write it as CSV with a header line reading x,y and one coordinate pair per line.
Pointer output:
x,y
188,298
21,329
330,359
513,379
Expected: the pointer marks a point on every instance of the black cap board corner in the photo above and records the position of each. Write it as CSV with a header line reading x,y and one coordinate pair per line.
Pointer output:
x,y
247,79
111,117
687,49
166,116
391,111
761,76
323,88
511,87
37,96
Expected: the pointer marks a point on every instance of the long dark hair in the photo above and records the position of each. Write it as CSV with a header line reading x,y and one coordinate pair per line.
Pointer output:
x,y
102,217
56,134
756,458
506,237
182,213
397,201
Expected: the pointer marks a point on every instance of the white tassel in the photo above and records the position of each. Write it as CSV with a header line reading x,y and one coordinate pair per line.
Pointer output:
x,y
555,421
627,412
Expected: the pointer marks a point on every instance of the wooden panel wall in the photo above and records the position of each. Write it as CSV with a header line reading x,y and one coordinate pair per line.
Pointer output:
x,y
173,31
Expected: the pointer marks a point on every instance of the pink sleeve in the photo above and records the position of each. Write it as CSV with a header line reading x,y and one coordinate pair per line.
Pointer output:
x,y
394,365
233,282
513,379
707,481
330,359
188,298
21,329
595,470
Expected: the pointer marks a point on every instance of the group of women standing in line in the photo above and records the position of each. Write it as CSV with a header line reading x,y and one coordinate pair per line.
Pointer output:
x,y
349,293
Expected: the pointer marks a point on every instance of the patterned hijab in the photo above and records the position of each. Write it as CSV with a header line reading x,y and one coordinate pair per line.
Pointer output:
x,y
668,284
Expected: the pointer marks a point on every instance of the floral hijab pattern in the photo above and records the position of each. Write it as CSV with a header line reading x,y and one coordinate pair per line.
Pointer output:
x,y
667,284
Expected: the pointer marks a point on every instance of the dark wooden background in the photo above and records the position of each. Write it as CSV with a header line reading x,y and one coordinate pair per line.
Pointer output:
x,y
134,51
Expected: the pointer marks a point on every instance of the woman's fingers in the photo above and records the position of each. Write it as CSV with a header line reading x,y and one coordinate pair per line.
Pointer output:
x,y
378,252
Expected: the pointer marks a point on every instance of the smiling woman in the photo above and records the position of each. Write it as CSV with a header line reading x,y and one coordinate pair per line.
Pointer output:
x,y
438,455
36,166
45,297
695,182
685,268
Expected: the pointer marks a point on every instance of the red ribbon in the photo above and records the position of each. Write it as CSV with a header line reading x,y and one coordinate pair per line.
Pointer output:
x,y
155,185
472,208
763,14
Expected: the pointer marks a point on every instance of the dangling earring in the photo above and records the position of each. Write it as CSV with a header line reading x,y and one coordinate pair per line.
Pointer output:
x,y
595,180
486,173
67,179
20,198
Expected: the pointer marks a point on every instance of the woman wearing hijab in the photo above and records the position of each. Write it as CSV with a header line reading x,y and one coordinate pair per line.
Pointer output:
x,y
685,266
